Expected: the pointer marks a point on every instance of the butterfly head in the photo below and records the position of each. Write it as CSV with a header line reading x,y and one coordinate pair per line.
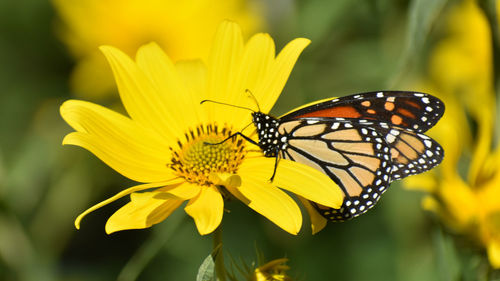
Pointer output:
x,y
270,140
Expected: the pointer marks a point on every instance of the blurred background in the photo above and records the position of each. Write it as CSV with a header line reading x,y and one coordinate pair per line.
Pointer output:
x,y
443,225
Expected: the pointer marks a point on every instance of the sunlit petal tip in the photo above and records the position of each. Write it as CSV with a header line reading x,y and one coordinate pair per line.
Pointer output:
x,y
70,139
107,49
153,46
228,27
151,51
67,108
279,72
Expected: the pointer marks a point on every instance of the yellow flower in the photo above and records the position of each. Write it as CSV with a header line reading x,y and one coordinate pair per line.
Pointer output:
x,y
461,73
183,28
163,143
274,270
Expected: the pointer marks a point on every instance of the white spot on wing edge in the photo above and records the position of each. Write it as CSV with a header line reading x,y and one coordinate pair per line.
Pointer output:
x,y
428,143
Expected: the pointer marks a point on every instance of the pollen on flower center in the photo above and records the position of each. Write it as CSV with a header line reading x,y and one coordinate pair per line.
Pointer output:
x,y
202,154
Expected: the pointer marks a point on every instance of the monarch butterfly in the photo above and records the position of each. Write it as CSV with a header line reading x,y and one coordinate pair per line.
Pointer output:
x,y
363,142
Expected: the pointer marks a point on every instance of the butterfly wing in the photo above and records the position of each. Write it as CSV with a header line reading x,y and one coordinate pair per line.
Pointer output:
x,y
362,157
354,156
411,152
412,110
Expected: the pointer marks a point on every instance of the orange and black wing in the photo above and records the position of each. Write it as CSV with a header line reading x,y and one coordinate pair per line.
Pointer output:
x,y
411,152
411,110
355,157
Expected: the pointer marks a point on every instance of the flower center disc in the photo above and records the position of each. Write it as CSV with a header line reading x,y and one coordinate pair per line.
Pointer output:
x,y
203,154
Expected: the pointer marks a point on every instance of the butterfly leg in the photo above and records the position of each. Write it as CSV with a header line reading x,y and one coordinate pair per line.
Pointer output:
x,y
232,136
277,159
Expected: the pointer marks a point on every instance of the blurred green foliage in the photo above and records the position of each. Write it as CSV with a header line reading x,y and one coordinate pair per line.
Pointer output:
x,y
357,46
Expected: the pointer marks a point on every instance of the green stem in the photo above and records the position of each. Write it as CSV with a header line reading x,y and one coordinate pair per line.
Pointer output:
x,y
220,270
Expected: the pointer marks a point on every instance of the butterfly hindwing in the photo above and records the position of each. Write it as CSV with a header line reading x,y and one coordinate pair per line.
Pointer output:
x,y
412,110
411,152
354,156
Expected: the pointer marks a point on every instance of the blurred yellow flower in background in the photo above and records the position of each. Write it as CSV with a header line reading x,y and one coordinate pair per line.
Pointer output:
x,y
461,73
164,142
274,270
183,29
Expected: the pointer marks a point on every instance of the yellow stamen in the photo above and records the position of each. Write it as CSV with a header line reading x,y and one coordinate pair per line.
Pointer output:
x,y
202,154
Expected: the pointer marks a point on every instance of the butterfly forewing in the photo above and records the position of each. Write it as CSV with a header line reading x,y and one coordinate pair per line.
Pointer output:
x,y
413,110
355,157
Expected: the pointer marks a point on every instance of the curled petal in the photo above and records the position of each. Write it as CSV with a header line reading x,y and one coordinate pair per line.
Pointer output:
x,y
318,222
206,209
143,210
116,197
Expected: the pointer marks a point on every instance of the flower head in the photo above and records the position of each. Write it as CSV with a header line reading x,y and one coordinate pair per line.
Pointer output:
x,y
182,28
180,151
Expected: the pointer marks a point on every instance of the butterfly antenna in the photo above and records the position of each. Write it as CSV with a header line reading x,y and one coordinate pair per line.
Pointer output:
x,y
228,104
246,126
254,98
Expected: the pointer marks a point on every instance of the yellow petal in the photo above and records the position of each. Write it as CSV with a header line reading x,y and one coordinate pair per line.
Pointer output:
x,y
182,191
141,99
144,210
206,209
268,201
193,74
116,197
459,201
318,222
269,90
173,97
225,57
256,60
426,182
133,151
131,164
482,150
297,178
494,253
